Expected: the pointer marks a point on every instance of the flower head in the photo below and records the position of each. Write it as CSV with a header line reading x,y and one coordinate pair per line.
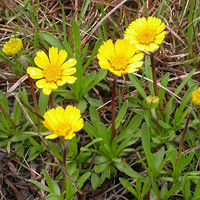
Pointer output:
x,y
152,101
52,71
119,58
12,47
196,97
146,34
63,123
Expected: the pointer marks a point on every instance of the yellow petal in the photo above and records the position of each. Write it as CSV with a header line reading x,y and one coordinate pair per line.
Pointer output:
x,y
69,136
160,28
50,117
134,67
41,83
35,72
60,114
66,79
51,137
136,58
69,71
68,64
104,64
159,38
53,55
153,47
41,60
107,50
53,86
79,125
46,89
62,56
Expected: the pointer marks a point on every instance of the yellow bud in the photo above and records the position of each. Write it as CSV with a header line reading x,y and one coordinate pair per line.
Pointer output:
x,y
196,97
152,101
12,47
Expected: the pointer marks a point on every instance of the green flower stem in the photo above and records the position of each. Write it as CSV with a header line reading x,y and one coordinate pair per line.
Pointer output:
x,y
51,100
184,132
153,67
7,116
64,164
153,111
113,108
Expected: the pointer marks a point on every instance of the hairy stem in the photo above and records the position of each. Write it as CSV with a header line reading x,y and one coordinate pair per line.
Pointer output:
x,y
51,100
155,87
184,132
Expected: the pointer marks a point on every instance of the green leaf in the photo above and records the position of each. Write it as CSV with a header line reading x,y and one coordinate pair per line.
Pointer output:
x,y
186,187
101,167
77,37
121,114
39,185
146,186
94,116
95,180
91,83
5,58
125,168
53,197
128,186
180,87
146,144
94,52
137,85
131,128
175,188
197,190
82,179
43,103
55,150
164,82
53,186
19,150
90,130
148,72
17,113
51,39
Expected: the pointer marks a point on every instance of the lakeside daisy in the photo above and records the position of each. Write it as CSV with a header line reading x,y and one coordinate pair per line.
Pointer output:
x,y
146,34
52,71
63,123
12,47
120,58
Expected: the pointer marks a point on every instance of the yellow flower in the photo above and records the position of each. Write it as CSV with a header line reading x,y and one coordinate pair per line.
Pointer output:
x,y
63,123
52,71
119,58
12,47
196,97
146,34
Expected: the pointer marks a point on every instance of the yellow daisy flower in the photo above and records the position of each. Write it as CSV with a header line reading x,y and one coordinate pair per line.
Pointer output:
x,y
63,123
12,47
196,97
52,71
146,34
120,58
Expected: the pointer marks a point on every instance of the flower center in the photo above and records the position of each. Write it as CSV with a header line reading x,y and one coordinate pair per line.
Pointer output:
x,y
52,73
146,36
119,63
63,129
